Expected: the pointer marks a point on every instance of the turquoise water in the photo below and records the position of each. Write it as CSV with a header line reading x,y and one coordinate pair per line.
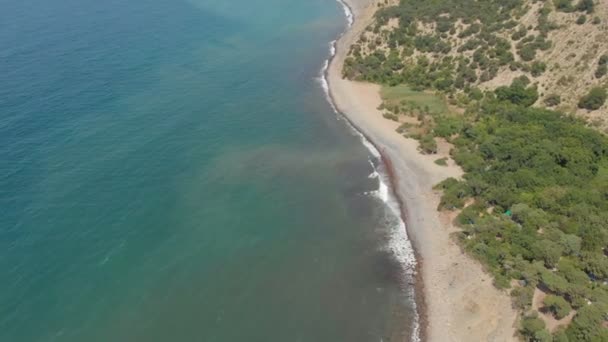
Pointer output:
x,y
171,171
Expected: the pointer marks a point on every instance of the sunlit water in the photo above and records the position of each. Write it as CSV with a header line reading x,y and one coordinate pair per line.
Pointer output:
x,y
171,171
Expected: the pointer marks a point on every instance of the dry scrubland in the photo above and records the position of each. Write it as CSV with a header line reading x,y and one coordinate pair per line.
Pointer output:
x,y
565,59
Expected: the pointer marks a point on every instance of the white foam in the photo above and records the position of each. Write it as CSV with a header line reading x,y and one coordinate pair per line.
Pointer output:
x,y
350,18
399,243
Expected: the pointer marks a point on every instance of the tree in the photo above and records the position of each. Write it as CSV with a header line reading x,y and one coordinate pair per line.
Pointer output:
x,y
587,324
594,99
571,244
554,282
543,336
527,53
557,305
517,94
560,336
596,264
548,251
530,325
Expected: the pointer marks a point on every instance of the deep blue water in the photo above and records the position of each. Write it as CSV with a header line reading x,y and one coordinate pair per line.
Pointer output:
x,y
171,171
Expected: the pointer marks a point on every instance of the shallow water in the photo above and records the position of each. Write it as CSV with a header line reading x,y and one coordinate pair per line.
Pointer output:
x,y
171,170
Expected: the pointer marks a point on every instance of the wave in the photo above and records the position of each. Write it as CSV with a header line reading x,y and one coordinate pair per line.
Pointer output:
x,y
399,243
350,17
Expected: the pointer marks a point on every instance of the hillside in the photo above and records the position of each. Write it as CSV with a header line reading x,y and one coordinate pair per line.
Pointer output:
x,y
460,46
517,91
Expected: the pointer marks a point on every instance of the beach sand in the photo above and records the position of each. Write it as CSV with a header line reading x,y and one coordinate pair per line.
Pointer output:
x,y
460,302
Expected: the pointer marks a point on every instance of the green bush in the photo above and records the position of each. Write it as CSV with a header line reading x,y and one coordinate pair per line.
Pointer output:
x,y
390,116
552,100
522,297
602,67
585,6
538,68
517,94
527,53
442,161
594,100
581,20
557,305
563,5
428,145
531,325
588,324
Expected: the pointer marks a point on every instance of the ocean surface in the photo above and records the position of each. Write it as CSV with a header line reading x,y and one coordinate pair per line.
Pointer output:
x,y
171,170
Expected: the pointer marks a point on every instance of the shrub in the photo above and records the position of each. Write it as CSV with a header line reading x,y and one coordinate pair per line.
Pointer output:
x,y
581,20
522,297
527,53
519,34
602,67
442,161
557,305
594,100
552,100
585,6
560,336
563,5
538,68
428,145
530,325
390,116
517,94
587,325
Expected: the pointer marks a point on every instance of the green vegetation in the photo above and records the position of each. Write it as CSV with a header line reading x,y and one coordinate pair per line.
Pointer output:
x,y
538,181
587,6
594,99
405,97
428,145
581,19
552,100
538,68
533,203
482,20
431,110
544,178
517,93
442,161
557,305
533,328
602,67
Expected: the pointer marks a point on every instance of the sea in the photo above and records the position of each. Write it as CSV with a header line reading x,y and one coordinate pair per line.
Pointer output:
x,y
174,170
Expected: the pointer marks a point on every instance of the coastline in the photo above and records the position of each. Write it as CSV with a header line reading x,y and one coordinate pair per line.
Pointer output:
x,y
455,298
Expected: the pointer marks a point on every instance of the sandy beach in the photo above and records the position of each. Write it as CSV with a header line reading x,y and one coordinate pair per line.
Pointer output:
x,y
460,302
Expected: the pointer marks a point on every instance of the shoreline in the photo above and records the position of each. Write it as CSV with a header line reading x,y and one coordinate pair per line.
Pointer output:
x,y
455,299
412,263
